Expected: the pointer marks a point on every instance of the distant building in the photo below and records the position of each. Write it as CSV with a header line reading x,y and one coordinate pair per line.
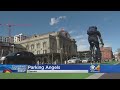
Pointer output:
x,y
2,39
52,45
84,54
16,38
107,53
7,39
117,56
6,48
20,37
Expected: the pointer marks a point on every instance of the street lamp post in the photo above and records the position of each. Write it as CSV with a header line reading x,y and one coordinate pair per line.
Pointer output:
x,y
67,57
13,48
2,53
61,54
52,57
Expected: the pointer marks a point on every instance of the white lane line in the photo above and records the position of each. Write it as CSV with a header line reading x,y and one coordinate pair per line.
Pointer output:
x,y
95,76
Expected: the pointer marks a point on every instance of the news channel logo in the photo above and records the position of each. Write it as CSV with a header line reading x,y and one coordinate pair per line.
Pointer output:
x,y
13,68
94,68
4,69
19,68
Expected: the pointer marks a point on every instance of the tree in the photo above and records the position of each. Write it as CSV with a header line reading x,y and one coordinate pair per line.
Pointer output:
x,y
118,50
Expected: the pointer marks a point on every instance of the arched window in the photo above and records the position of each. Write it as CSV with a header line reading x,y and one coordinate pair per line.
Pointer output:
x,y
44,44
38,52
32,46
27,47
38,45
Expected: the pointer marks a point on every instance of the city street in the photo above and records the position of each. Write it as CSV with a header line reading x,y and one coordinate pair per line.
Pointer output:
x,y
105,75
110,76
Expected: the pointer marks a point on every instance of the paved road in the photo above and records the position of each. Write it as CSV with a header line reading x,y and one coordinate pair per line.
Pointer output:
x,y
110,76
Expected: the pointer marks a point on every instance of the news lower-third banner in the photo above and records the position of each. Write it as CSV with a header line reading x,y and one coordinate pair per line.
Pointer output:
x,y
82,68
13,68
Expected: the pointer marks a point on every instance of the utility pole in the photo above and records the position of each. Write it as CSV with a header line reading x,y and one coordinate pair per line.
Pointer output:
x,y
2,53
61,55
13,48
67,57
52,57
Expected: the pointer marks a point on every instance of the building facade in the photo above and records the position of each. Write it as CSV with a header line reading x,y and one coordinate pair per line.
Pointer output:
x,y
20,37
107,53
84,54
55,45
117,56
6,48
6,39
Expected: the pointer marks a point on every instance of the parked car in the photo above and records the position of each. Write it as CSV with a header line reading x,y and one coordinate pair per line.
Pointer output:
x,y
74,60
2,59
22,57
85,60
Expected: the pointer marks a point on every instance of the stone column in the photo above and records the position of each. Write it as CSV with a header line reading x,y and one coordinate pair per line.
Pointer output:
x,y
58,44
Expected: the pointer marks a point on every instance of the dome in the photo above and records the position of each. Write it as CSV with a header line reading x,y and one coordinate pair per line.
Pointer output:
x,y
64,33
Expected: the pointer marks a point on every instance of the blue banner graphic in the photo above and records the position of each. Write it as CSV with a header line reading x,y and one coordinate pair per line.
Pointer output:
x,y
110,68
58,67
92,68
13,68
95,68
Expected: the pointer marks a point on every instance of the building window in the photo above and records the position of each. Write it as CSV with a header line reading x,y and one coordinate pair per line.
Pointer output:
x,y
27,47
53,45
38,52
44,44
44,51
32,46
38,45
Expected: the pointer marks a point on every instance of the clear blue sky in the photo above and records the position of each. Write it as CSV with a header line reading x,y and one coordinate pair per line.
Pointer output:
x,y
75,22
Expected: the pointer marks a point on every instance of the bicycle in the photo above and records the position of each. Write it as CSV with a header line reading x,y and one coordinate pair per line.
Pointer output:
x,y
94,55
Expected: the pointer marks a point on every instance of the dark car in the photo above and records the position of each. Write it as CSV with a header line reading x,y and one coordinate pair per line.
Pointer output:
x,y
23,57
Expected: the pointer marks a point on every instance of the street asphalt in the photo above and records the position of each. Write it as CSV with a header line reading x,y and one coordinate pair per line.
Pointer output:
x,y
110,75
105,75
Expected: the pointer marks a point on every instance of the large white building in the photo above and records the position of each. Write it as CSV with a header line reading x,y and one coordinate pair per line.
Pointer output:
x,y
57,43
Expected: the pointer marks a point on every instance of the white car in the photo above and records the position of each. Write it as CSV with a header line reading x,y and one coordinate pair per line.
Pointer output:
x,y
2,59
85,60
73,60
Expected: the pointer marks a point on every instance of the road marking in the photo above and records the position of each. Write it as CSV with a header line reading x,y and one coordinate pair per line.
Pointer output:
x,y
95,76
116,63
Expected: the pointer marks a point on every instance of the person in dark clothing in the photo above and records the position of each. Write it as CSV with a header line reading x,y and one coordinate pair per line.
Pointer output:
x,y
93,35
